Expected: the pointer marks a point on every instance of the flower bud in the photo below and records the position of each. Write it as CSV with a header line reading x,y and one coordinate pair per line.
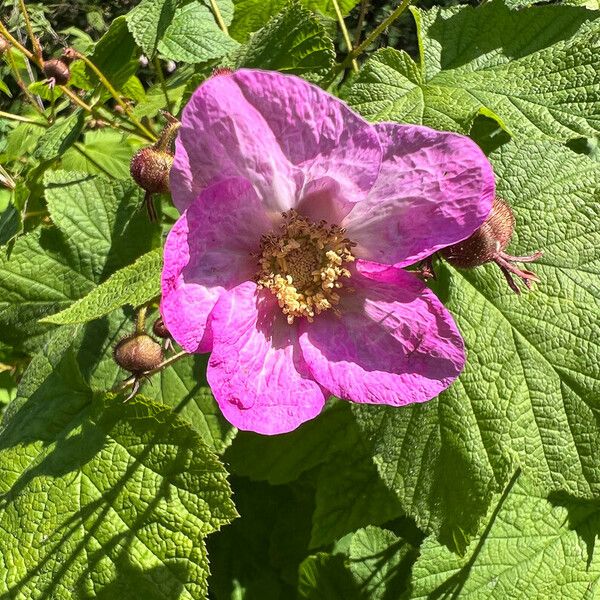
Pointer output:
x,y
160,329
492,237
4,45
57,72
488,243
150,170
138,353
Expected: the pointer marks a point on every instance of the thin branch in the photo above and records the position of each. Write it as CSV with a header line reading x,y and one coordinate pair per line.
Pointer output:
x,y
37,49
147,133
163,83
364,7
6,115
218,16
374,35
345,33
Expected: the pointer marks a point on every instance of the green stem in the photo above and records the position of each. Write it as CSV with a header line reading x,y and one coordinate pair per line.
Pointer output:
x,y
218,16
345,33
163,83
6,179
364,5
37,50
104,81
6,34
6,115
35,101
140,320
374,34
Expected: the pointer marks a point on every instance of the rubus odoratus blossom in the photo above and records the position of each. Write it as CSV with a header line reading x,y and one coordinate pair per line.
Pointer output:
x,y
297,218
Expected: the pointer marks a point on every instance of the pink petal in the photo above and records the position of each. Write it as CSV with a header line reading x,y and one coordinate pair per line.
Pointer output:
x,y
394,342
256,370
209,250
434,189
277,131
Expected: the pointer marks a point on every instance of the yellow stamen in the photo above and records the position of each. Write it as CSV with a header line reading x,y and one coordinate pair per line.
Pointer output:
x,y
302,265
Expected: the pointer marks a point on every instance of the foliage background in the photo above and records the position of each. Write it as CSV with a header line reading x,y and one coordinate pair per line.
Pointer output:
x,y
489,491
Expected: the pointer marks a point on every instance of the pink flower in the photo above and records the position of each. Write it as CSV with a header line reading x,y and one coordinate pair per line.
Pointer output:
x,y
297,218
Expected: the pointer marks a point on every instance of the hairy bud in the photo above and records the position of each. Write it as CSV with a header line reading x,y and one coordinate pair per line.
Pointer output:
x,y
488,243
159,329
4,45
57,72
138,353
150,169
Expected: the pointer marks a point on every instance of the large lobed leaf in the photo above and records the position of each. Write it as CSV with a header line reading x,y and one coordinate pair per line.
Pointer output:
x,y
99,229
294,42
194,36
101,499
134,284
535,71
528,394
526,550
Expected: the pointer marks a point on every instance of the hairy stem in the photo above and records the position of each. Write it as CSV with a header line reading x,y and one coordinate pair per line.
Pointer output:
x,y
364,6
163,83
6,115
37,49
345,34
218,16
111,90
374,34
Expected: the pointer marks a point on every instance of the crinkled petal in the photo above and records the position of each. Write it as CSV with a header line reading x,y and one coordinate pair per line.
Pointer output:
x,y
394,342
209,250
434,189
256,370
277,131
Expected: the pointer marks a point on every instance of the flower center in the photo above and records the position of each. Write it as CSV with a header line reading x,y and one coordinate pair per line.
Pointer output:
x,y
302,265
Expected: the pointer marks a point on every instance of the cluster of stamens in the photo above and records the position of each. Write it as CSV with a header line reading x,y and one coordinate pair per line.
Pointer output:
x,y
303,264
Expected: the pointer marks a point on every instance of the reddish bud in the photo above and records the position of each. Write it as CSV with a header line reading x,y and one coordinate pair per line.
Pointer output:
x,y
159,329
150,169
488,243
69,55
221,71
4,45
138,353
57,72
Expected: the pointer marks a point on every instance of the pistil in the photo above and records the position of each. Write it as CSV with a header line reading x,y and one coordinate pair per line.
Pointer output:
x,y
303,265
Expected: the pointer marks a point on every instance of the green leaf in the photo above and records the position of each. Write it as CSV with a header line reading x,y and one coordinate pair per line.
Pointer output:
x,y
129,492
103,214
258,554
60,136
280,459
115,54
333,444
183,387
293,42
378,561
325,576
522,398
148,21
251,15
99,230
474,61
134,284
105,152
526,550
341,502
194,36
10,224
